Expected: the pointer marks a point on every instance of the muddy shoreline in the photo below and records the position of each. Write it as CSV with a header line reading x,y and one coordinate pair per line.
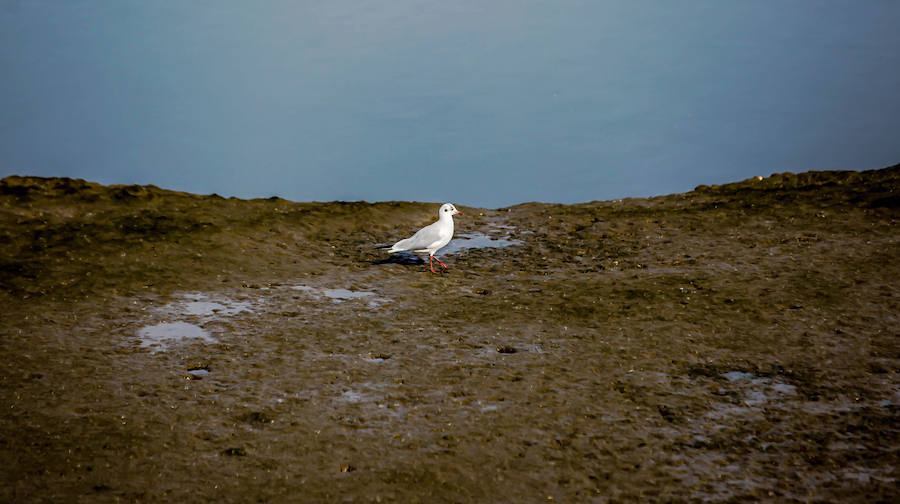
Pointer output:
x,y
736,343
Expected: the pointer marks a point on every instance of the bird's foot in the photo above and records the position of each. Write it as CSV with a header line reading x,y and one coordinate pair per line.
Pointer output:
x,y
431,260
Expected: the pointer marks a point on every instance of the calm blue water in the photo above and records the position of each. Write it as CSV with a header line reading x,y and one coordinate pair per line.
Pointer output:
x,y
477,103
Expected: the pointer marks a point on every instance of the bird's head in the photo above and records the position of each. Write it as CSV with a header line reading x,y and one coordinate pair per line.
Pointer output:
x,y
449,210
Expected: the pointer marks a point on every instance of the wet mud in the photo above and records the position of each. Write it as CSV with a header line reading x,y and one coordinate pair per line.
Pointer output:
x,y
737,343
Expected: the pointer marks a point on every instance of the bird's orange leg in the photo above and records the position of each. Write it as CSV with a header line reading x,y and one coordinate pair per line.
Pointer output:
x,y
431,263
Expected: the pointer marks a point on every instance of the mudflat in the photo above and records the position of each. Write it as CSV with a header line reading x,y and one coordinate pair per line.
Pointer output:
x,y
737,343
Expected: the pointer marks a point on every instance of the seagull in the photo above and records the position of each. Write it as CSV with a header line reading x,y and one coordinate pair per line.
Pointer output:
x,y
431,237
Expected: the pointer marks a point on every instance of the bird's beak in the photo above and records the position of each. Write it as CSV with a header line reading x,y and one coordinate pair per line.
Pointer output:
x,y
458,212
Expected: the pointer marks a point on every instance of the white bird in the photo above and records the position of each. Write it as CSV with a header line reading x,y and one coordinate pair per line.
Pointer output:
x,y
431,237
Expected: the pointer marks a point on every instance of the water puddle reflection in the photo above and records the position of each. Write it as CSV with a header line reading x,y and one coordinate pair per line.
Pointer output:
x,y
340,295
201,305
475,241
198,373
210,308
734,376
756,390
182,318
160,336
344,294
352,396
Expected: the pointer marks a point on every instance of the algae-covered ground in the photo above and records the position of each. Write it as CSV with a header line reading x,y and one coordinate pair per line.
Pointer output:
x,y
738,343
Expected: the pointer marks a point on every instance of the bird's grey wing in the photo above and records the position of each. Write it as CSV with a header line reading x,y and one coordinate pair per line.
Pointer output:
x,y
423,239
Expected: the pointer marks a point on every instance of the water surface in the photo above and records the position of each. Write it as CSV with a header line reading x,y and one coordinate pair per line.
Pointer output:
x,y
479,103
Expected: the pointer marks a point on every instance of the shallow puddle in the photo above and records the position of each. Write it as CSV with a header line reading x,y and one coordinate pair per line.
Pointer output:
x,y
340,295
734,376
201,305
477,240
755,390
351,396
198,373
161,336
344,294
206,308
